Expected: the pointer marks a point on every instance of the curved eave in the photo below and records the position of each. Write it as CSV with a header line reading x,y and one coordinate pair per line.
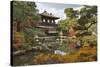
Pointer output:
x,y
46,27
49,16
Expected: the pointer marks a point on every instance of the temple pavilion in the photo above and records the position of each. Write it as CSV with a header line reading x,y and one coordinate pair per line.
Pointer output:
x,y
48,23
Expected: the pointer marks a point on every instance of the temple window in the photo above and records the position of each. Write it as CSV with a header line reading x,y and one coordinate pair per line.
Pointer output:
x,y
48,21
43,20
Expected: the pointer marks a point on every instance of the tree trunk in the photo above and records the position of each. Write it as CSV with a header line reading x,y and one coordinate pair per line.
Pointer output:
x,y
18,26
90,25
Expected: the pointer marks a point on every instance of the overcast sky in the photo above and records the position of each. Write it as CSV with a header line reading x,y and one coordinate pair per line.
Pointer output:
x,y
55,8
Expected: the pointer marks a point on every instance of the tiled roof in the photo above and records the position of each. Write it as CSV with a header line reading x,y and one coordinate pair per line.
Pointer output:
x,y
45,13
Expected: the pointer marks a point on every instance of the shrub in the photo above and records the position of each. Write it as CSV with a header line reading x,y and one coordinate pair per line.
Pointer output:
x,y
18,40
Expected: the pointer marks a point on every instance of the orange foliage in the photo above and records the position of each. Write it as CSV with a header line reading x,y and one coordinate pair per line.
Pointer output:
x,y
85,54
88,50
17,40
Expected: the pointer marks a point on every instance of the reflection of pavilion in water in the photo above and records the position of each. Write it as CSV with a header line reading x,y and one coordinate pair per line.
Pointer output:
x,y
48,24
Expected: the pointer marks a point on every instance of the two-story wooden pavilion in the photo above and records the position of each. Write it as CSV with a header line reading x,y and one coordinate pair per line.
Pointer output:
x,y
48,23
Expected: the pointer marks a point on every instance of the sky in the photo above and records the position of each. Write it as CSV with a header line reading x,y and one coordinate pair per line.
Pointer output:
x,y
57,9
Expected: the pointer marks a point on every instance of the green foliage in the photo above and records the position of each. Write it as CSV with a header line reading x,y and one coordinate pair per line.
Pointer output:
x,y
65,24
71,19
70,13
23,11
29,34
88,16
85,19
26,13
32,32
89,41
88,11
64,47
93,28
